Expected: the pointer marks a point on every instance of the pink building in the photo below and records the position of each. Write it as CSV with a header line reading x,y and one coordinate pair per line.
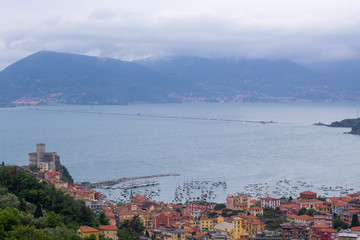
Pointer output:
x,y
306,203
288,209
324,219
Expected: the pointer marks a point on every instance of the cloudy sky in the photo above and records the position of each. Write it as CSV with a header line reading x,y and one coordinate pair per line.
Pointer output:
x,y
304,31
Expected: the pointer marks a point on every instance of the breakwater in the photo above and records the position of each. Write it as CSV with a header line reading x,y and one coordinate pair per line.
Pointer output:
x,y
104,184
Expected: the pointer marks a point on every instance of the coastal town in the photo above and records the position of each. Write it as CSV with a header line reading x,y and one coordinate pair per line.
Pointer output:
x,y
242,216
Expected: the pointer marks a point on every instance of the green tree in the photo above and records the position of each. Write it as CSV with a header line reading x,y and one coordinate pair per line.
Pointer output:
x,y
355,220
28,233
91,237
38,211
9,219
9,200
22,205
66,177
34,168
310,212
53,220
338,224
103,220
60,233
132,229
302,211
212,214
219,206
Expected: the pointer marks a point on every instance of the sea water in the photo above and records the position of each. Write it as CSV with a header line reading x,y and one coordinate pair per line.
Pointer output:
x,y
196,140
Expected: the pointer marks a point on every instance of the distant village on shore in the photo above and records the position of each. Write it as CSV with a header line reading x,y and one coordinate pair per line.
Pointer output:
x,y
240,217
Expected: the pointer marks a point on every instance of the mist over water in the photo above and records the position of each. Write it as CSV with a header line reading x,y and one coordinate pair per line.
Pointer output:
x,y
108,142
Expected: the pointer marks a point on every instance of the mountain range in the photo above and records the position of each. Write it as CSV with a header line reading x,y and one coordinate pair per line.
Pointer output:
x,y
51,77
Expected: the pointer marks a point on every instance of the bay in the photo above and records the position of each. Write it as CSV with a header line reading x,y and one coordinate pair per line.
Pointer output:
x,y
196,140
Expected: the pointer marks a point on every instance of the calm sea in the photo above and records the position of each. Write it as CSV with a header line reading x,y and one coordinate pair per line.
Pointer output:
x,y
197,140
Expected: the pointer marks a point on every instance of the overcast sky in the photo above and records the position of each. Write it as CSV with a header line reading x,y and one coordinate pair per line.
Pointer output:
x,y
304,31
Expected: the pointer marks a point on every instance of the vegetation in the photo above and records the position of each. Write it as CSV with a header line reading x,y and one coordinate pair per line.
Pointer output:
x,y
338,224
103,220
219,206
66,177
132,229
302,211
272,217
355,220
346,123
37,210
212,214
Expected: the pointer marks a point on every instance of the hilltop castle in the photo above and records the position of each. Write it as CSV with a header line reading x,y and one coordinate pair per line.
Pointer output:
x,y
44,160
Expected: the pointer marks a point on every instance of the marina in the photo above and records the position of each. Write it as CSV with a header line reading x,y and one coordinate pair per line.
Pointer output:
x,y
292,188
108,184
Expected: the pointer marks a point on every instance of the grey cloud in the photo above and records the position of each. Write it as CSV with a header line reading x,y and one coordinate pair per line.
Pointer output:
x,y
299,30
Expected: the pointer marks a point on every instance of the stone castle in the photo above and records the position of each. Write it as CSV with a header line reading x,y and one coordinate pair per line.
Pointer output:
x,y
44,160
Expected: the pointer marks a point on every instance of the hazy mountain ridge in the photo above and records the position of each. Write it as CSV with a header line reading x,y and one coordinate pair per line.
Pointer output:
x,y
76,79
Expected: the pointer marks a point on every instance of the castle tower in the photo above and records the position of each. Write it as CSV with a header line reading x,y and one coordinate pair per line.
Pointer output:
x,y
40,149
40,158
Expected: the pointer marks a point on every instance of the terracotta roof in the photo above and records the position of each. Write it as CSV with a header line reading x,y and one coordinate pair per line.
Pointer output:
x,y
270,198
291,205
305,217
308,192
329,230
252,217
340,204
312,200
255,208
320,226
356,229
198,235
108,227
206,218
86,229
255,223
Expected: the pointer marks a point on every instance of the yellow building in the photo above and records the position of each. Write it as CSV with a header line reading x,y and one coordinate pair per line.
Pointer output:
x,y
86,231
109,231
44,167
147,220
240,232
255,226
323,209
207,224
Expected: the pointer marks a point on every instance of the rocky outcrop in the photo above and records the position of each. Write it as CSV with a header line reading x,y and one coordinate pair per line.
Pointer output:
x,y
355,129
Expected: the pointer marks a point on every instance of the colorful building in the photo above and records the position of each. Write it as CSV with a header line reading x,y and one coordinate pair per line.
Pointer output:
x,y
324,219
86,231
306,203
255,211
339,207
207,224
109,231
307,195
270,202
238,201
292,230
288,209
